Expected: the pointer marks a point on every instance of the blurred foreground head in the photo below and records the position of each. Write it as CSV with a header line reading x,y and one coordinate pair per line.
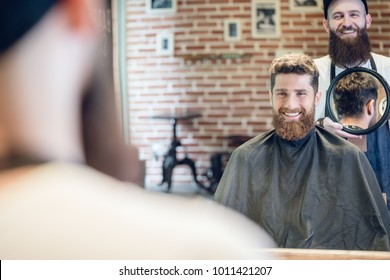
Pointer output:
x,y
57,97
48,49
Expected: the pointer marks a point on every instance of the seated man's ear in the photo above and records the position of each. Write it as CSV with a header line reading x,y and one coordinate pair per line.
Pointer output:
x,y
317,97
270,98
371,107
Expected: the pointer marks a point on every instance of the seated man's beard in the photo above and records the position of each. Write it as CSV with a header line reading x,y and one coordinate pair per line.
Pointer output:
x,y
349,52
293,130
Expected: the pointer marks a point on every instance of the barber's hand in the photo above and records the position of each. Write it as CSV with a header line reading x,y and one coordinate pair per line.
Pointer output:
x,y
336,128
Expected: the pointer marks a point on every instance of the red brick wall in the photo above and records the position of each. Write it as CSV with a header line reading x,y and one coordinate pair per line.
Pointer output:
x,y
231,94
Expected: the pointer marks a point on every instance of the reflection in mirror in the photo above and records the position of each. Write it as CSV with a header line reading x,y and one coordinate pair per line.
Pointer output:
x,y
358,100
355,98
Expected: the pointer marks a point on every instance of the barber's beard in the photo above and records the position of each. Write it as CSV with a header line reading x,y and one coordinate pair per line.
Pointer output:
x,y
349,52
293,130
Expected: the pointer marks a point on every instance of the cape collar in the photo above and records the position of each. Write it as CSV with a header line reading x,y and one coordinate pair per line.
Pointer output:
x,y
296,143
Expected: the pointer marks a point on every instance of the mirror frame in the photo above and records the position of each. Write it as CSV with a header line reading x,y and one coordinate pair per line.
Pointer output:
x,y
329,95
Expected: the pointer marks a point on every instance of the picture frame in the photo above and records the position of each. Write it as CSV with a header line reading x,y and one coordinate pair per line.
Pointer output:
x,y
161,6
305,5
265,19
232,30
165,44
281,52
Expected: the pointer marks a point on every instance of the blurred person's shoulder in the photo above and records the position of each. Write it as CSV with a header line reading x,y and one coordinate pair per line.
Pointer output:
x,y
80,213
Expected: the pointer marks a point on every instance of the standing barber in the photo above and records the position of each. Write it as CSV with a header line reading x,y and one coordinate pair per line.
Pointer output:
x,y
347,22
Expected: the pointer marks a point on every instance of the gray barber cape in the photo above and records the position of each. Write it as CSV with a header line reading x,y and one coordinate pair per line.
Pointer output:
x,y
317,192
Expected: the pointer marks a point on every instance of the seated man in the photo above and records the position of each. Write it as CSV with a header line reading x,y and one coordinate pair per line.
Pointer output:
x,y
307,187
355,98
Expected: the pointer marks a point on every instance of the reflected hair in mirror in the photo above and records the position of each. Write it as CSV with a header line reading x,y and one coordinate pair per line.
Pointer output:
x,y
353,100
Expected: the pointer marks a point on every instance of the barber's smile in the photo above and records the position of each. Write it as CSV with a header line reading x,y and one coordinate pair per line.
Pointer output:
x,y
347,32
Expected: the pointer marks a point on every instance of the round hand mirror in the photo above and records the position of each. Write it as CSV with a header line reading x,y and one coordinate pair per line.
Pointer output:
x,y
357,98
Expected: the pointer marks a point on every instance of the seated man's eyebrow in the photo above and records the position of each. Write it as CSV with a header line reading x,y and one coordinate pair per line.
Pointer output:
x,y
280,89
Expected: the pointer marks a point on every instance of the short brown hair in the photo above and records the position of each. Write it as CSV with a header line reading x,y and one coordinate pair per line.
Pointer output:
x,y
295,63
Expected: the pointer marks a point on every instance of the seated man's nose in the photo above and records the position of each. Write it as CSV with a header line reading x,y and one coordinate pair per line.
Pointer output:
x,y
292,103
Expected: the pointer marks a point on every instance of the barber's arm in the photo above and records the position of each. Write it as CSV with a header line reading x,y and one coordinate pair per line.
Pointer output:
x,y
335,128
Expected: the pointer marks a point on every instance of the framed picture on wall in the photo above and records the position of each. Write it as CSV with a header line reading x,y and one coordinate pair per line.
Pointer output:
x,y
305,5
232,30
161,6
281,52
165,44
265,18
